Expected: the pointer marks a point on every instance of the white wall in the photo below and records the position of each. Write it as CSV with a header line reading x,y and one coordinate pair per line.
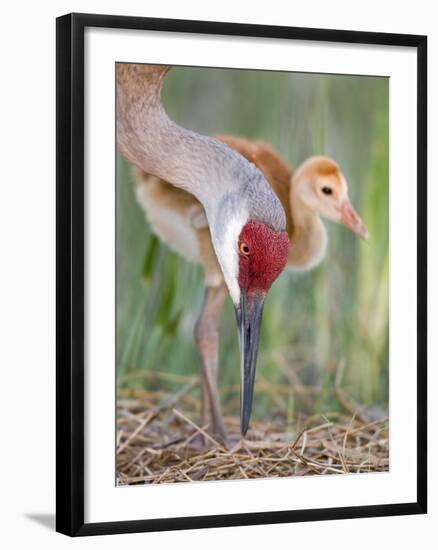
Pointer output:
x,y
27,289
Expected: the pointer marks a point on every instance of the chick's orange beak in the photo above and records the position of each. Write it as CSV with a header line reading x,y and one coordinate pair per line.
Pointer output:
x,y
351,219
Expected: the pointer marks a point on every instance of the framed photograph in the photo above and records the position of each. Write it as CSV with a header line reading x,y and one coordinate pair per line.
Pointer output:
x,y
241,274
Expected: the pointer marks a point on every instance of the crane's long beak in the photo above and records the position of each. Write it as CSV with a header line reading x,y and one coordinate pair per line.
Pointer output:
x,y
351,219
249,316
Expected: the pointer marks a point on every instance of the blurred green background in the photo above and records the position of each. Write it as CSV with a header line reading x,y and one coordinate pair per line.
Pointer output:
x,y
323,329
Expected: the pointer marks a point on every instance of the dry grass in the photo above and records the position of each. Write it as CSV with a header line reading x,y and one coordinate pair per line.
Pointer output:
x,y
159,441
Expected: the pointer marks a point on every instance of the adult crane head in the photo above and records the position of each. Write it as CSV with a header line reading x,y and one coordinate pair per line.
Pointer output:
x,y
246,219
248,231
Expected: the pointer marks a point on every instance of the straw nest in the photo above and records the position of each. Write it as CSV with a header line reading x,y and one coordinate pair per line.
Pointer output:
x,y
160,441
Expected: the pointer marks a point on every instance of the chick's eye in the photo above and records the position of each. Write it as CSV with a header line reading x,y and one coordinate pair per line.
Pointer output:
x,y
327,190
243,248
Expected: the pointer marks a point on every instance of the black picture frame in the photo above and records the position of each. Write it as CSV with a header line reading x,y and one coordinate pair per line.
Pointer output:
x,y
70,273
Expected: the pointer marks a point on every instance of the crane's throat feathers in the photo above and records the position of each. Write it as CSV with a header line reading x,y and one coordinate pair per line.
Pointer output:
x,y
263,256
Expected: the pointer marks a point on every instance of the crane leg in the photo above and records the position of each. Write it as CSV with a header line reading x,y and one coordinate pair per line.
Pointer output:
x,y
207,341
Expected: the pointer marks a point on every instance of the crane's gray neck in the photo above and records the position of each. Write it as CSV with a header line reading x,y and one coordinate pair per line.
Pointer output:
x,y
220,178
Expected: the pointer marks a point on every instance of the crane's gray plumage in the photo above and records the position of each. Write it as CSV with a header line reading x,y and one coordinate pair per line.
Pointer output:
x,y
219,177
232,191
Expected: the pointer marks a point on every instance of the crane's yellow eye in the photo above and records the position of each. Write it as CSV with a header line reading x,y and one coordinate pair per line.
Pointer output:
x,y
243,247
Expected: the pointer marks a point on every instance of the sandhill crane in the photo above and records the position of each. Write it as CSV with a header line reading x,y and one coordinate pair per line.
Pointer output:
x,y
317,188
245,218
